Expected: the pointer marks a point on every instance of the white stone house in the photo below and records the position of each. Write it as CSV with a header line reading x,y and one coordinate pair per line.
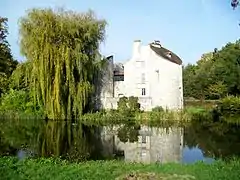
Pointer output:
x,y
153,74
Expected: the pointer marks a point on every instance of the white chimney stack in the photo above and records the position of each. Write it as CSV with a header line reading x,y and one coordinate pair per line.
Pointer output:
x,y
136,48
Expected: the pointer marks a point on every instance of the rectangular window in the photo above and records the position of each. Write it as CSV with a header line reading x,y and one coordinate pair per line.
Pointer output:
x,y
157,72
140,64
143,91
144,139
143,78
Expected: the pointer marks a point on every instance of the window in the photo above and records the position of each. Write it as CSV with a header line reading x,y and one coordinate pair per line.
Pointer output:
x,y
157,71
144,139
140,64
118,78
143,91
143,78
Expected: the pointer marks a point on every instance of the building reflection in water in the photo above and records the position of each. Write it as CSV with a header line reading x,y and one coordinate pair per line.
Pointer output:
x,y
150,145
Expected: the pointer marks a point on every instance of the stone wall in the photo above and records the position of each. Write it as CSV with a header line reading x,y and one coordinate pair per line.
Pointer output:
x,y
109,102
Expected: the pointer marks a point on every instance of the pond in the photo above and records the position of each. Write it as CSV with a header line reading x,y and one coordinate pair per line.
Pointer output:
x,y
188,143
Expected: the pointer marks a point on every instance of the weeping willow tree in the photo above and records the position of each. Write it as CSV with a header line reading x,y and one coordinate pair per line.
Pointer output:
x,y
62,48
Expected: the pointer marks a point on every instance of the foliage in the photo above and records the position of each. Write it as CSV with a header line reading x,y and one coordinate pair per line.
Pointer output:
x,y
62,49
19,78
158,109
215,75
133,104
7,63
197,78
122,104
128,106
11,168
229,106
218,90
153,118
188,72
207,104
19,101
3,83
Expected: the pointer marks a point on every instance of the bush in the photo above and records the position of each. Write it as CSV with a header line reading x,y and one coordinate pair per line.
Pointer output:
x,y
158,109
18,101
229,106
128,106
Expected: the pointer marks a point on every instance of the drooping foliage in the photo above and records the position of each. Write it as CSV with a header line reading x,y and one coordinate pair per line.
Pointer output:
x,y
48,139
62,49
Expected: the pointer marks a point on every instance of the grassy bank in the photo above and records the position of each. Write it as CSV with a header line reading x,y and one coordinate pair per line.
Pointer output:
x,y
114,116
206,104
11,168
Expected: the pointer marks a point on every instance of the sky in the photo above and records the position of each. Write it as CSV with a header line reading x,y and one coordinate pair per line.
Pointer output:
x,y
189,28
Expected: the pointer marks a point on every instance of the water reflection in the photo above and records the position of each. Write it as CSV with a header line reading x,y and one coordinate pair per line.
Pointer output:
x,y
145,144
65,139
129,142
215,140
47,139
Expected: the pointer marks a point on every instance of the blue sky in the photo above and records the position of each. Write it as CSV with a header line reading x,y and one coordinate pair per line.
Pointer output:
x,y
187,27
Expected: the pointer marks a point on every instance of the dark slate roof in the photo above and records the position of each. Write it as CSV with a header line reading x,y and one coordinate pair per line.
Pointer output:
x,y
161,51
118,69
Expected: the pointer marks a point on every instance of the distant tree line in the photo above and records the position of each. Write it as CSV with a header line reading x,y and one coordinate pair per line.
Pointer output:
x,y
215,75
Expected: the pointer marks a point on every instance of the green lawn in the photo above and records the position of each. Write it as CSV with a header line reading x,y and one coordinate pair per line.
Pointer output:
x,y
11,168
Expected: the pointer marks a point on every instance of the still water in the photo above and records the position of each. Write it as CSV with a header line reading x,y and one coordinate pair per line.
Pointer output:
x,y
128,142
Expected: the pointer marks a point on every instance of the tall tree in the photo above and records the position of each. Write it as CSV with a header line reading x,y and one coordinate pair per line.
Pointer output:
x,y
189,72
215,74
7,63
61,47
196,78
226,67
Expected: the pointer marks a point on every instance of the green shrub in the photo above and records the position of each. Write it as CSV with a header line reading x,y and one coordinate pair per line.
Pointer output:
x,y
128,106
229,106
123,105
158,109
18,101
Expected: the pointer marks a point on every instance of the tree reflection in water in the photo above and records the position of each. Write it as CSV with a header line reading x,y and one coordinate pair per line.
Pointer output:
x,y
79,141
48,139
215,139
128,132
